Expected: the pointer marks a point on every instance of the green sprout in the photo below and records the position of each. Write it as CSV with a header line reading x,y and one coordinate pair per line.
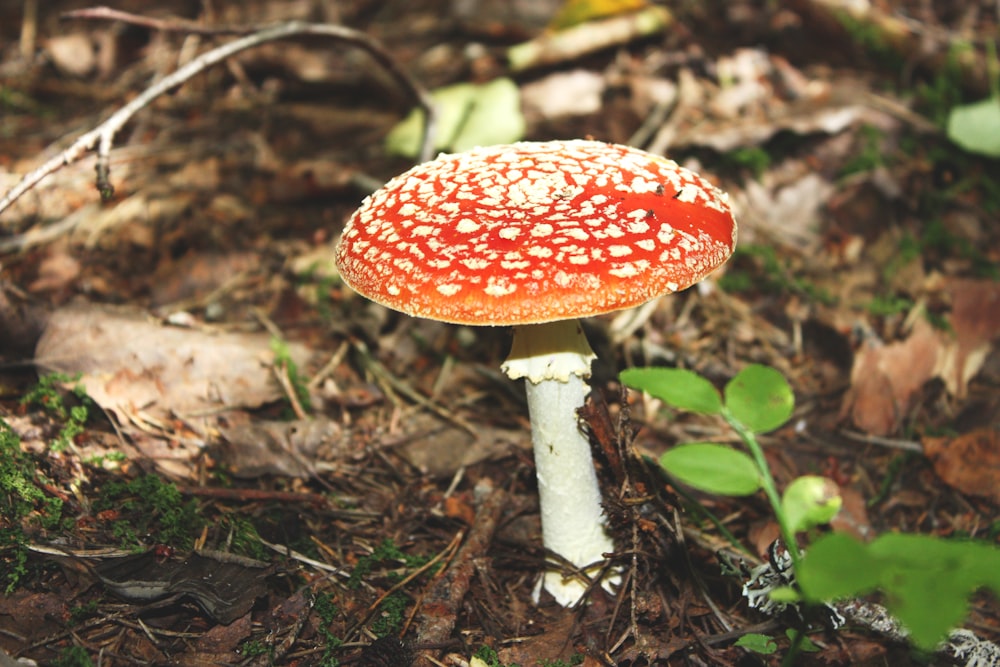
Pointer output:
x,y
926,580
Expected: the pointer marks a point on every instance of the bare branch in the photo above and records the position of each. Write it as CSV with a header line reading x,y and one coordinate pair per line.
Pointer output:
x,y
103,135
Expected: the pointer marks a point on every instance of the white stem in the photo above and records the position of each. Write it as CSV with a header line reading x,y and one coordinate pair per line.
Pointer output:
x,y
570,498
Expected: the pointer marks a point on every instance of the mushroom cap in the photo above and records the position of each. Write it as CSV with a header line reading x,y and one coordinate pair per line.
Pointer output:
x,y
535,232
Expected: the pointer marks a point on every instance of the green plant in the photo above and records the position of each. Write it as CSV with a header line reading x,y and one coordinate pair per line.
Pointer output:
x,y
20,499
72,656
767,273
283,359
574,660
754,158
149,508
327,611
871,154
47,394
241,536
253,648
386,550
926,580
488,657
391,614
80,613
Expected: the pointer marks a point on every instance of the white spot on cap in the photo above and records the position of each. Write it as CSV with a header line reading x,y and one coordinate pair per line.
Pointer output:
x,y
467,226
626,270
449,289
476,263
541,229
619,250
499,287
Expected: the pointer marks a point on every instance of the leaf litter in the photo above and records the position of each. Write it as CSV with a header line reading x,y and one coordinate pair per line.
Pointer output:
x,y
864,275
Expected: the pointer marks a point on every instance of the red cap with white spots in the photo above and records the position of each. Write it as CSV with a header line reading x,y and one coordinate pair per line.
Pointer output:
x,y
535,232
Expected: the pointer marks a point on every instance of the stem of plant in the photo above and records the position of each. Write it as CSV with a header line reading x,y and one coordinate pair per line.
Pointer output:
x,y
767,482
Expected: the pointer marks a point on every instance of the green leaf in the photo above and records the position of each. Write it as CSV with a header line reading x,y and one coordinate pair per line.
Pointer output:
x,y
757,643
837,566
785,594
760,398
976,127
468,115
495,117
805,644
926,580
713,468
679,388
810,501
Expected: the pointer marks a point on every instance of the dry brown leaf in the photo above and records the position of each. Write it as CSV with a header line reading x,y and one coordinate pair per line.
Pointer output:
x,y
885,377
853,515
56,271
262,447
73,53
140,369
969,462
975,321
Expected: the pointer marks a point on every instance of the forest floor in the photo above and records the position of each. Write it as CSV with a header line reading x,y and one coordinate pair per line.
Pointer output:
x,y
213,452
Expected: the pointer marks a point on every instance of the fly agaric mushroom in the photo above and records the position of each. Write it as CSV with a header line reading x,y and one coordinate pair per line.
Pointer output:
x,y
535,235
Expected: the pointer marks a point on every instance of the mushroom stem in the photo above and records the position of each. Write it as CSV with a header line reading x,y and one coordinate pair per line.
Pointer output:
x,y
555,359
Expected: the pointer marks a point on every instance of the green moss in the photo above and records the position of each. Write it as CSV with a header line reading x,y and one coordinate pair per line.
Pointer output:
x,y
73,656
150,509
48,395
21,502
391,614
758,267
871,155
753,158
327,611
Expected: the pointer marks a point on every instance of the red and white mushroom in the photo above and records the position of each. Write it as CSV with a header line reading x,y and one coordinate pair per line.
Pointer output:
x,y
534,236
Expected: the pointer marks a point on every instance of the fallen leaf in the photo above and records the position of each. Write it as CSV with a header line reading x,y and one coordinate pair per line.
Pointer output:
x,y
139,369
575,93
73,54
975,321
255,448
56,271
853,515
969,462
885,377
555,643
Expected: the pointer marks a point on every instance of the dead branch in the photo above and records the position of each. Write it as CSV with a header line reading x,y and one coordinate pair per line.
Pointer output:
x,y
103,135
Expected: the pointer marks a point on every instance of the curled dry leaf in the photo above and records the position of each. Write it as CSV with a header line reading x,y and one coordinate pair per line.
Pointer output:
x,y
969,463
886,377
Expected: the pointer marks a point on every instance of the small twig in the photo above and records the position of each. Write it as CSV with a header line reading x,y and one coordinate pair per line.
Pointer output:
x,y
254,495
448,552
103,13
292,554
905,445
390,381
103,135
441,604
281,373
